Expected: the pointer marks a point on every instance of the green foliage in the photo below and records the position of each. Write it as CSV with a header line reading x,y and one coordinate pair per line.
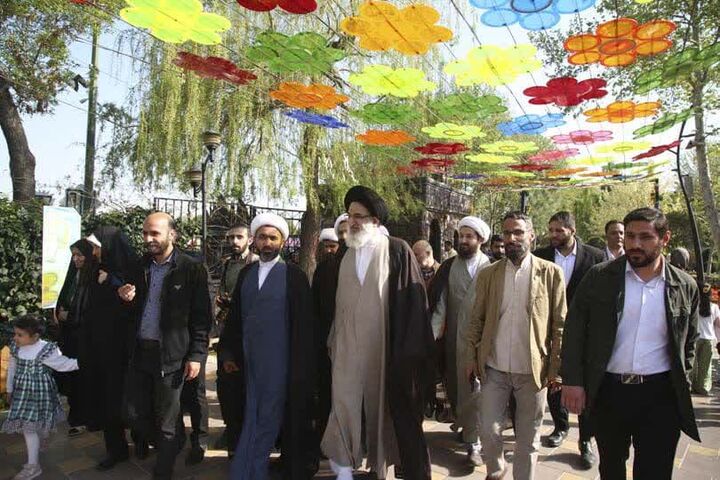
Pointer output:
x,y
20,259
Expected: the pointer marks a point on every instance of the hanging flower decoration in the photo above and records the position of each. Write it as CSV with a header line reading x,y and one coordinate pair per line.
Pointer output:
x,y
567,91
510,147
434,162
618,42
601,173
665,122
386,113
305,52
442,148
531,167
494,65
623,147
290,6
409,170
592,161
564,172
321,97
388,138
381,26
466,107
677,67
510,174
468,176
213,67
384,80
490,158
316,119
549,156
531,124
622,112
454,132
623,165
176,21
657,150
582,137
530,14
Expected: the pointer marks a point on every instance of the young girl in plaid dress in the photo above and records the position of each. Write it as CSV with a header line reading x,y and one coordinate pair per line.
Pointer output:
x,y
35,408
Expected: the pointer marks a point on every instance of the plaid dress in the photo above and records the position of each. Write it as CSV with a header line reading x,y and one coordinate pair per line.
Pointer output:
x,y
35,402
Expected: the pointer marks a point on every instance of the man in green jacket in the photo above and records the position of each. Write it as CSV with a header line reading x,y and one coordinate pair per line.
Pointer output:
x,y
628,348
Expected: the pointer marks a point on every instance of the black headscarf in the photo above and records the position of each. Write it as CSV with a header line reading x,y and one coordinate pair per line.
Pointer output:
x,y
370,200
118,257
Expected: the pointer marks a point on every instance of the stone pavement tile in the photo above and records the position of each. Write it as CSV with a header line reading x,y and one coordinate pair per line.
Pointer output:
x,y
573,476
544,472
8,471
74,464
700,464
567,461
86,439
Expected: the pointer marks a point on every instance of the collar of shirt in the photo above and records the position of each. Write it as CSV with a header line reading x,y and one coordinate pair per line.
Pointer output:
x,y
169,259
269,264
474,262
610,255
524,265
264,269
630,273
572,254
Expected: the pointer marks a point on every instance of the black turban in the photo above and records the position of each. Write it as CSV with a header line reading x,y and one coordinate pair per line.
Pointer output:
x,y
85,247
370,200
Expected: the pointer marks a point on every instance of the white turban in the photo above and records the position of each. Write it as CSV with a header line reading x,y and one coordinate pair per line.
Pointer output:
x,y
328,234
383,230
270,220
476,224
342,218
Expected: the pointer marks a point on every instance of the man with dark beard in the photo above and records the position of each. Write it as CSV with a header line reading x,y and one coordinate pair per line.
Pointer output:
x,y
169,297
268,341
451,298
576,259
381,350
628,348
512,345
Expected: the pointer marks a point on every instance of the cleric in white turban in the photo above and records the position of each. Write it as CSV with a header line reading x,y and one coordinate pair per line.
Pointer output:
x,y
329,243
341,226
269,219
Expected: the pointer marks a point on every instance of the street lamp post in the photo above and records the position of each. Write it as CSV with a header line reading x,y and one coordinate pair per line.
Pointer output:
x,y
196,176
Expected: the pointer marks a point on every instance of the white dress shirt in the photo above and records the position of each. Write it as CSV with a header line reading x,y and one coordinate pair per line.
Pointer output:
x,y
511,352
609,255
566,263
364,254
473,263
642,341
264,270
55,360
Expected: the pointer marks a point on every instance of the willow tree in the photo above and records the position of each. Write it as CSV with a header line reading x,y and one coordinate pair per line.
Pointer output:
x,y
698,27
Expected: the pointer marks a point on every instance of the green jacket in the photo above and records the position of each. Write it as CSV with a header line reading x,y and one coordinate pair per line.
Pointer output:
x,y
592,322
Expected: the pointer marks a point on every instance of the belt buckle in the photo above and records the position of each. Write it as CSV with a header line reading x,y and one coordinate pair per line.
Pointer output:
x,y
630,379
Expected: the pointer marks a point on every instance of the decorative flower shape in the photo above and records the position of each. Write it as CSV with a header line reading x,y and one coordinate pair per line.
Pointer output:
x,y
433,162
490,158
677,67
564,172
213,67
622,112
382,26
388,138
531,167
494,65
601,173
531,14
306,52
591,161
386,113
657,150
665,122
454,132
549,156
322,97
468,176
176,21
465,106
582,137
510,147
531,124
316,119
384,80
442,148
510,174
567,91
290,6
618,43
623,165
623,147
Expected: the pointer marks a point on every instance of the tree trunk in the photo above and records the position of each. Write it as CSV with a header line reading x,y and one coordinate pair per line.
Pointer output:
x,y
22,161
706,187
310,224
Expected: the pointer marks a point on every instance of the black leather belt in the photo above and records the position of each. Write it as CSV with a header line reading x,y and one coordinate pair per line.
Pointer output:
x,y
635,379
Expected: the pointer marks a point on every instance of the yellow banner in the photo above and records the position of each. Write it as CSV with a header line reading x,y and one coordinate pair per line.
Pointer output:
x,y
61,228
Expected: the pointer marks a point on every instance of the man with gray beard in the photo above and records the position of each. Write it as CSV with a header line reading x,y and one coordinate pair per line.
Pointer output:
x,y
380,346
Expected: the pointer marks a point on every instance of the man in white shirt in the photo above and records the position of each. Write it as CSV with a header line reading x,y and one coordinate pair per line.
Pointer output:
x,y
708,329
628,349
614,238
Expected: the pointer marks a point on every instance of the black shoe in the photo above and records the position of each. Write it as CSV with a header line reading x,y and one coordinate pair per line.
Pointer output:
x,y
556,438
142,450
587,456
110,462
195,456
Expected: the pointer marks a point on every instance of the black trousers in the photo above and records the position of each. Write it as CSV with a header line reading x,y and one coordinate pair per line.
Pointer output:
x,y
193,400
153,406
645,415
116,444
231,395
560,417
407,416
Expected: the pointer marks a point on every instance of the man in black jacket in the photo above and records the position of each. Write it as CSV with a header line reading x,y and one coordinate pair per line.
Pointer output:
x,y
575,258
171,304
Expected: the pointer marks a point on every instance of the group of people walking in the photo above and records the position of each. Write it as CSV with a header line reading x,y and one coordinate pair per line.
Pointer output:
x,y
347,366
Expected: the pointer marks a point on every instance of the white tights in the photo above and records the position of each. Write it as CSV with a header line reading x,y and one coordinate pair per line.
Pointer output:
x,y
32,442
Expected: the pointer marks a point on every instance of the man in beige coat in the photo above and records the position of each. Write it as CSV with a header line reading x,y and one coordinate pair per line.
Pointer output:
x,y
512,344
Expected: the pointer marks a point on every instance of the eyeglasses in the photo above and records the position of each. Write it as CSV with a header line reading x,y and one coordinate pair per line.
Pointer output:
x,y
356,217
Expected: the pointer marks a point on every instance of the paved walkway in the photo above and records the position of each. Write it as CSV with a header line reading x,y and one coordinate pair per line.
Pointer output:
x,y
75,458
